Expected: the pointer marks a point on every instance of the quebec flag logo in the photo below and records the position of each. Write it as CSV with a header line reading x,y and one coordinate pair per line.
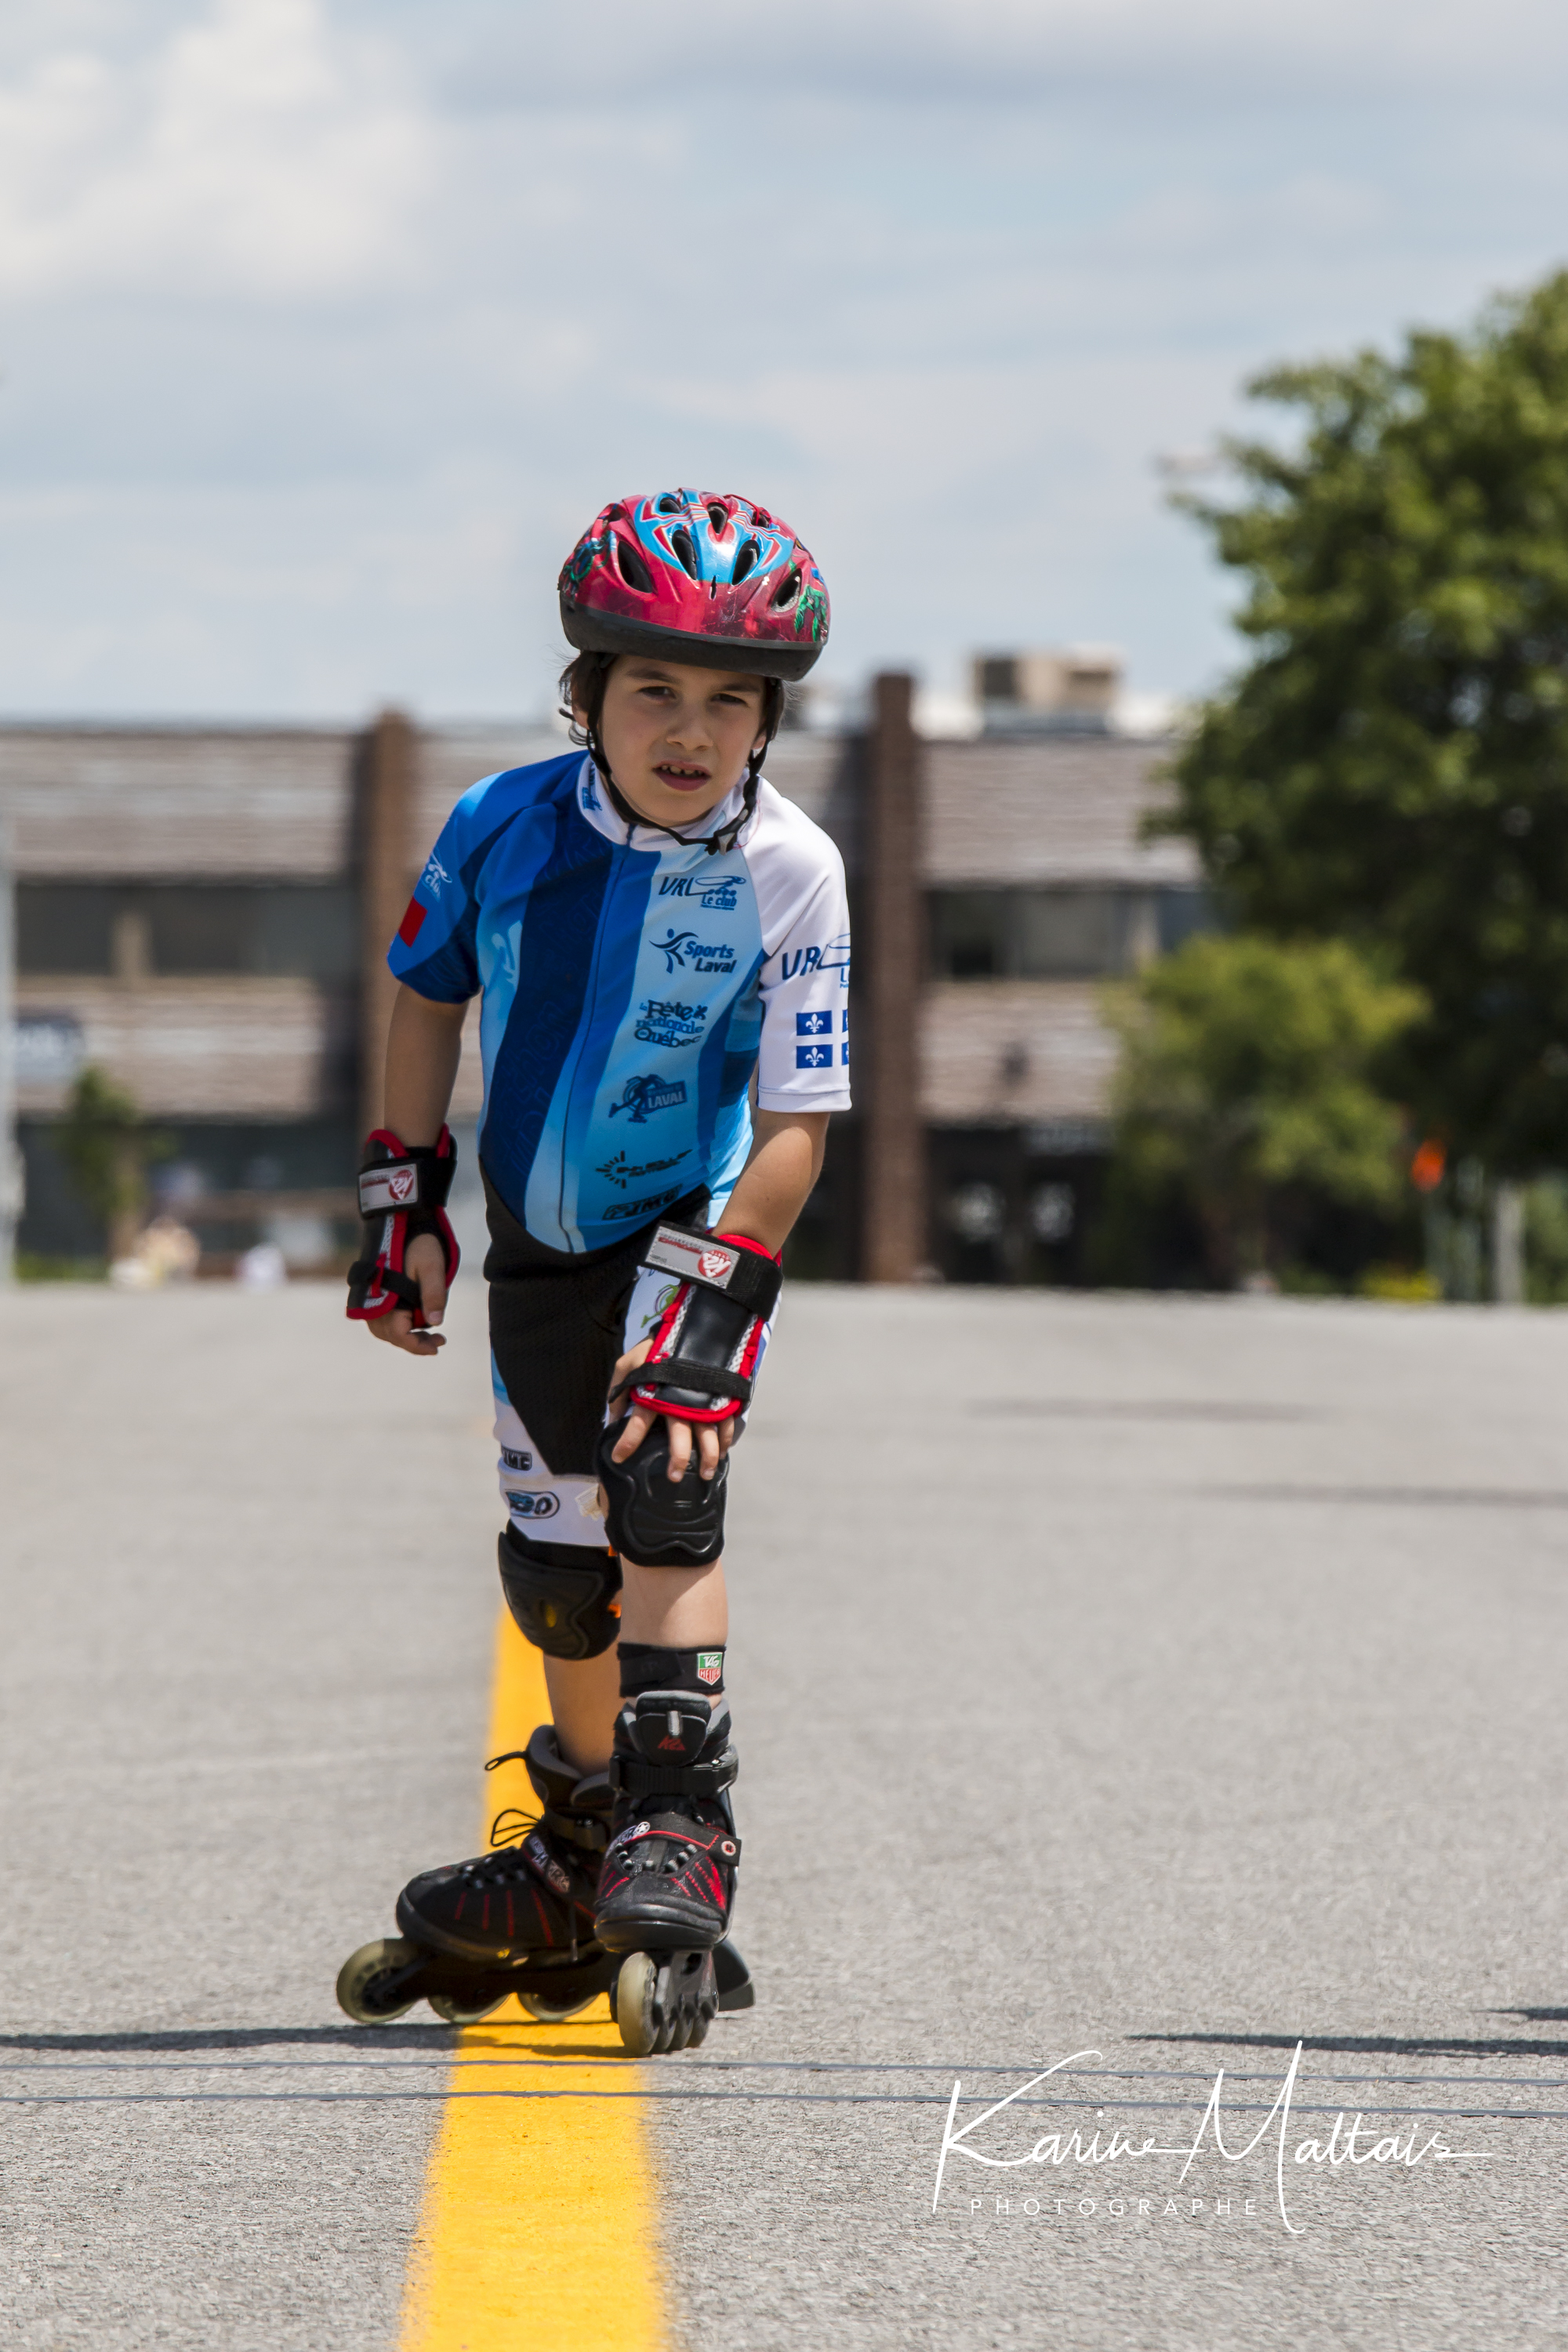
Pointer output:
x,y
815,1057
813,1024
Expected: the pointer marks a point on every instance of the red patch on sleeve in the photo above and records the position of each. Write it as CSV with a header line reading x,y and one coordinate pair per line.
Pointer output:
x,y
408,928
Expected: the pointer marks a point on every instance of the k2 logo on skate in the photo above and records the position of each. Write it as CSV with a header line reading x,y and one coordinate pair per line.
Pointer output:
x,y
1059,2148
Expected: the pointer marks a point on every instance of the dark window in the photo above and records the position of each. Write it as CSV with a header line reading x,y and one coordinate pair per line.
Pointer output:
x,y
1066,934
971,934
999,678
64,927
1181,913
1058,934
297,929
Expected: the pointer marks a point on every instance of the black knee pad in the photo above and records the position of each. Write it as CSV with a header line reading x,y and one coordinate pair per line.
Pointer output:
x,y
652,1520
562,1595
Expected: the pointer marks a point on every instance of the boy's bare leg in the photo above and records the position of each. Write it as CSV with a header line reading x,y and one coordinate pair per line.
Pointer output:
x,y
585,1699
678,1609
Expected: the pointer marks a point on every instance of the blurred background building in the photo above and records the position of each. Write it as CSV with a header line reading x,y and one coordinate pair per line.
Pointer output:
x,y
203,913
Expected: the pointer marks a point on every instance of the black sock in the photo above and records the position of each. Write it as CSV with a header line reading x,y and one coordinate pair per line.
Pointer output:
x,y
644,1667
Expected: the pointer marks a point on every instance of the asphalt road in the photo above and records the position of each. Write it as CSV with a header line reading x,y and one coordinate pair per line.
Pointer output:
x,y
1170,1681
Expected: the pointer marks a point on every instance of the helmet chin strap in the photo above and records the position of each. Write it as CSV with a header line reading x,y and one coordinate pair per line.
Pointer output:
x,y
717,845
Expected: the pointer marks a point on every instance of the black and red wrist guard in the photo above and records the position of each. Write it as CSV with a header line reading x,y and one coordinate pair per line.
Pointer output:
x,y
704,1352
403,1192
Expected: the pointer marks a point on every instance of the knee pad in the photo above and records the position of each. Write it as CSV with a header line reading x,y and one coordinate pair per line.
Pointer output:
x,y
654,1520
562,1595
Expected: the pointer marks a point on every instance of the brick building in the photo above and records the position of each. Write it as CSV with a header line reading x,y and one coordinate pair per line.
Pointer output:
x,y
202,912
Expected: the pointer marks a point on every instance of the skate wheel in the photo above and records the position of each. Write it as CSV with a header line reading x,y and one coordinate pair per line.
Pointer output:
x,y
636,2008
454,2011
550,2012
367,1973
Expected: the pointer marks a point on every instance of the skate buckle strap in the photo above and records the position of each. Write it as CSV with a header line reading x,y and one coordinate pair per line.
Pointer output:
x,y
688,1372
707,1837
632,1776
592,1836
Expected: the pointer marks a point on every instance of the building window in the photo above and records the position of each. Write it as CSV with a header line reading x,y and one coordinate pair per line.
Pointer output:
x,y
177,930
1058,934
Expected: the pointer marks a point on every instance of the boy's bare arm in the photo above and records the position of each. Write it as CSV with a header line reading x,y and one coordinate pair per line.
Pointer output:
x,y
776,1182
423,1044
774,1188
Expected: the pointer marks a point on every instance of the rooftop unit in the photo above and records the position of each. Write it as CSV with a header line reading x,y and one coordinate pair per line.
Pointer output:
x,y
1069,693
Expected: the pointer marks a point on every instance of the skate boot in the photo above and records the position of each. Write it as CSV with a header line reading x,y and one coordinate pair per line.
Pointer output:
x,y
669,1877
519,1919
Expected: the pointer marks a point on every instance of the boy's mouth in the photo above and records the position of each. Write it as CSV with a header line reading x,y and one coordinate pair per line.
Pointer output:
x,y
680,776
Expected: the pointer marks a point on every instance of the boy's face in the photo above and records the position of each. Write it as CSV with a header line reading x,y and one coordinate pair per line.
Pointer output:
x,y
678,738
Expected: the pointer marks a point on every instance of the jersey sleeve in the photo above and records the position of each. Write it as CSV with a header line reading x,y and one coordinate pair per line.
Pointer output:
x,y
804,1061
433,949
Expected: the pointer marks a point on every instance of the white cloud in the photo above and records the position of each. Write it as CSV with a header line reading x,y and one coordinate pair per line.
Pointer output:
x,y
1008,52
330,322
251,153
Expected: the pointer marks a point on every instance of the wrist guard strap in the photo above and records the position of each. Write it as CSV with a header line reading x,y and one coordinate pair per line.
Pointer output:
x,y
705,1349
403,1191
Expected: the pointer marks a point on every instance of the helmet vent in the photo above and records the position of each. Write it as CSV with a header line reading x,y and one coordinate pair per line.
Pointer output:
x,y
746,562
634,571
784,593
719,517
669,504
684,551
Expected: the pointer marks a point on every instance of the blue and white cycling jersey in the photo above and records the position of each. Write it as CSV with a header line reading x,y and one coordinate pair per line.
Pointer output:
x,y
631,984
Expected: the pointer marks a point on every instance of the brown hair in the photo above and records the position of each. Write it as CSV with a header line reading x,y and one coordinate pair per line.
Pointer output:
x,y
586,677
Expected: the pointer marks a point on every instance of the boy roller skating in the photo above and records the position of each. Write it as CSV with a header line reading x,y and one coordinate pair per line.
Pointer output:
x,y
658,937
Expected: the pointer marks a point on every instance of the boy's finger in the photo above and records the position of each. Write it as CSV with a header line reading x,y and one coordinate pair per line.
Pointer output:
x,y
708,1450
428,1264
679,1447
640,1421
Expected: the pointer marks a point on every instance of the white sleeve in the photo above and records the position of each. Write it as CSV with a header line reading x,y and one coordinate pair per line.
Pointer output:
x,y
804,1062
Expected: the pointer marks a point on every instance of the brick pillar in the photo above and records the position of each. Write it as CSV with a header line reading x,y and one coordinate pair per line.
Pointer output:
x,y
891,966
387,875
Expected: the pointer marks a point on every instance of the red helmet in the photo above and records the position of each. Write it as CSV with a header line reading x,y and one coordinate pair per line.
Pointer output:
x,y
699,578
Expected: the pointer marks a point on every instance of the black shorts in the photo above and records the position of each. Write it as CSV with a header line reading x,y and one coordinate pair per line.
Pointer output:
x,y
558,1322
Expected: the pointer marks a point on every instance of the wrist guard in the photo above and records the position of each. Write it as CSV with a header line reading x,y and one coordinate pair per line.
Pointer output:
x,y
402,1193
705,1349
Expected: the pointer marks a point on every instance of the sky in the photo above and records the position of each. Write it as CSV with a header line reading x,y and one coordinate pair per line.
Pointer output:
x,y
326,326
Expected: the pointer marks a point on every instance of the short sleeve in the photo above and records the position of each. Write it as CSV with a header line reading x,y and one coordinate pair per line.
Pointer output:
x,y
804,1062
434,951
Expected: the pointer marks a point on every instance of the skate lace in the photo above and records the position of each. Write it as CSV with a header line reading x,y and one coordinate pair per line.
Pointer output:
x,y
511,1824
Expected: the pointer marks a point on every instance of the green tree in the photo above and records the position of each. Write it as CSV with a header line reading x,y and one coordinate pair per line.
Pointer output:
x,y
107,1145
1248,1069
1392,765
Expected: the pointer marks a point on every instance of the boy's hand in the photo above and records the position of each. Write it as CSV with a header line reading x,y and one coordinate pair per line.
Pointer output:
x,y
713,1439
425,1264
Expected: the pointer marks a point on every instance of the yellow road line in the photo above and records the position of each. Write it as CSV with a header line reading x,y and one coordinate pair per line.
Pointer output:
x,y
539,2227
